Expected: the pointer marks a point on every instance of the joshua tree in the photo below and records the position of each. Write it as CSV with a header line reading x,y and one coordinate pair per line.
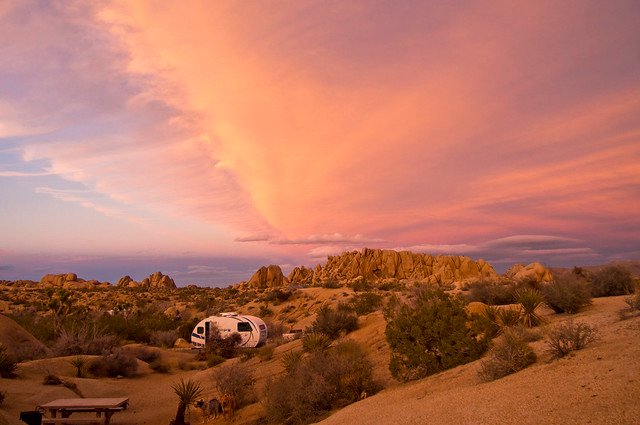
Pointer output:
x,y
188,392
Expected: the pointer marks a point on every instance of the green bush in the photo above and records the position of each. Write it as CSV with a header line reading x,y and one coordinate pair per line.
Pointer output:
x,y
611,281
430,335
333,323
569,337
366,303
509,316
568,293
491,293
291,360
318,384
510,354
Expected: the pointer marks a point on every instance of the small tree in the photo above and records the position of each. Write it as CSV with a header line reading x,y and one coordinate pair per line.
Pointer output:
x,y
188,393
568,293
334,322
431,335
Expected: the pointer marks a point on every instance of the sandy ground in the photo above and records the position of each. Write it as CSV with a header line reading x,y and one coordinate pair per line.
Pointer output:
x,y
598,385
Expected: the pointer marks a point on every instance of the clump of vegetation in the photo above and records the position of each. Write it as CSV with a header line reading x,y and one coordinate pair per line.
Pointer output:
x,y
159,366
430,335
3,395
235,381
508,317
334,323
79,362
265,353
226,348
188,393
633,305
491,293
164,339
83,340
291,360
146,354
315,341
569,337
118,363
318,384
8,365
365,303
530,300
611,281
568,293
51,379
509,355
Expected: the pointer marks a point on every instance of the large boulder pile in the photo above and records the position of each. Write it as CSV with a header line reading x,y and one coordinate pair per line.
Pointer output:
x,y
268,277
69,281
377,265
533,271
156,280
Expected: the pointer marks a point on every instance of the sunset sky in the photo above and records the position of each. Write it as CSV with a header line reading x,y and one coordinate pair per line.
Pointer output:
x,y
205,139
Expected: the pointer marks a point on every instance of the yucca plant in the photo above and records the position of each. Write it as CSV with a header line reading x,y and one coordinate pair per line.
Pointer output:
x,y
529,299
188,392
508,317
8,366
79,363
315,341
291,360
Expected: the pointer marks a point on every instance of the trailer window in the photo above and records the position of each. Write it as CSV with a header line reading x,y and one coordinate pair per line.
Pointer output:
x,y
200,330
244,327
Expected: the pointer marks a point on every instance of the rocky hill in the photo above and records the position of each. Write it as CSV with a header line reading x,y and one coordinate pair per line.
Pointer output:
x,y
69,281
156,280
377,265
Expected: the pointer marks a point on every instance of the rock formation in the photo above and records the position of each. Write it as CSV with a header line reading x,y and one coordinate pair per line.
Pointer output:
x,y
376,265
268,277
156,280
69,281
534,271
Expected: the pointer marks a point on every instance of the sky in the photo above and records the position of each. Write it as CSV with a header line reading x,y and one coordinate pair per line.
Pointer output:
x,y
206,139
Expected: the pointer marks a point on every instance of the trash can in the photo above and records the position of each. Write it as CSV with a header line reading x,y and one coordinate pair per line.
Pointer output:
x,y
31,417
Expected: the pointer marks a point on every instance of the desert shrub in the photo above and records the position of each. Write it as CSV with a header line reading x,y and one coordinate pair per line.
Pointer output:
x,y
29,350
526,334
291,360
3,395
83,340
159,366
265,311
223,347
247,353
265,353
237,381
530,300
276,329
214,359
490,292
51,379
146,354
79,363
430,335
186,327
366,303
333,323
485,324
509,316
277,296
568,293
569,337
360,285
118,363
509,355
391,286
318,384
633,306
8,365
611,281
315,341
163,338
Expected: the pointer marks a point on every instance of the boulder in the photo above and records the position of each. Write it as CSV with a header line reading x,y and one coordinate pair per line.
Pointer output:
x,y
268,277
534,271
182,343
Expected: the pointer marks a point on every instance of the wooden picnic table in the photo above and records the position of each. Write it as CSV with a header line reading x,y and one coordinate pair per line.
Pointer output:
x,y
67,406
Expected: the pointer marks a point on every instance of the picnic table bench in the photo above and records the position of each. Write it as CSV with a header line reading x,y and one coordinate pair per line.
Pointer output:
x,y
104,408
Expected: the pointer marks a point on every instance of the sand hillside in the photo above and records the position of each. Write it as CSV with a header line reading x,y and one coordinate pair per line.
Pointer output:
x,y
599,385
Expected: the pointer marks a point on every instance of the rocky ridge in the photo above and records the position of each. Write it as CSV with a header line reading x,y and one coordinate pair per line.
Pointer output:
x,y
377,265
155,280
69,281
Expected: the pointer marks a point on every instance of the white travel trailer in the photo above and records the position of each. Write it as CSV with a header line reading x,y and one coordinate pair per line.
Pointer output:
x,y
251,329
